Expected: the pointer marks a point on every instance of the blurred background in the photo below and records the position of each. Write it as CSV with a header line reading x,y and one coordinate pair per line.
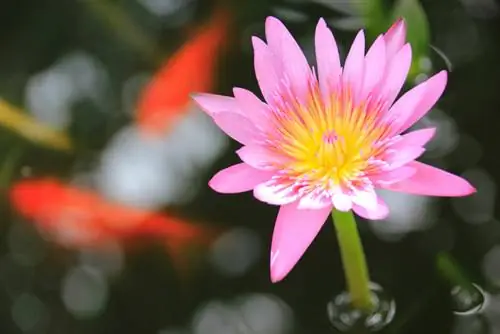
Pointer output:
x,y
108,225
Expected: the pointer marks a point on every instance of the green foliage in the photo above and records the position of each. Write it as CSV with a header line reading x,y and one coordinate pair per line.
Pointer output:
x,y
418,31
378,19
373,13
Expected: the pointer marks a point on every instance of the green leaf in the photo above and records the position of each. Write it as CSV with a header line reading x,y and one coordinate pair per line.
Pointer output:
x,y
373,14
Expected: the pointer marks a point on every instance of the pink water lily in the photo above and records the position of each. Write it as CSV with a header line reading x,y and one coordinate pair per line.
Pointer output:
x,y
328,139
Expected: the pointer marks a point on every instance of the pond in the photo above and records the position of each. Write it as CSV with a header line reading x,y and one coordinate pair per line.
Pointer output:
x,y
113,221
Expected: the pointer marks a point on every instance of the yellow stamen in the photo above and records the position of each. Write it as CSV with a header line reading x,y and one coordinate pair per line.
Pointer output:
x,y
330,143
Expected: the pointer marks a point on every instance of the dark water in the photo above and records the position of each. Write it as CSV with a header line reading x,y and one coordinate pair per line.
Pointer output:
x,y
147,296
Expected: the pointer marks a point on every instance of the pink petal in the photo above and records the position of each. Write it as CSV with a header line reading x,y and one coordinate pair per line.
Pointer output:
x,y
285,48
238,178
418,137
212,103
236,126
352,76
395,38
366,198
392,176
415,103
396,74
252,107
294,231
259,157
434,89
431,181
267,69
380,211
327,58
404,155
314,201
342,202
274,193
374,66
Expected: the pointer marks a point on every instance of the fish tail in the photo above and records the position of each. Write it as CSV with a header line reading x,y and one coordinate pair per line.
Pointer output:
x,y
192,68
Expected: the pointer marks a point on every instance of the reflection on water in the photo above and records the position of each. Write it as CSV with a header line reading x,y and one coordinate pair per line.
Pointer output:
x,y
347,319
481,319
467,300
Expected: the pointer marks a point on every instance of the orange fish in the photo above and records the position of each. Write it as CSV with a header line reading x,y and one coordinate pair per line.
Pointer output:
x,y
190,69
78,218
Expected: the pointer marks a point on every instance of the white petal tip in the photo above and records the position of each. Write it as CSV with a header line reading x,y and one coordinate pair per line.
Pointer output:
x,y
343,209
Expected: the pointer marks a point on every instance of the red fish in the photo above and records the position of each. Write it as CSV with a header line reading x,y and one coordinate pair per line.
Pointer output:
x,y
78,218
190,69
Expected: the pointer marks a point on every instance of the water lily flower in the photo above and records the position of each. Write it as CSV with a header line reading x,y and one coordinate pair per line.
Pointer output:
x,y
328,138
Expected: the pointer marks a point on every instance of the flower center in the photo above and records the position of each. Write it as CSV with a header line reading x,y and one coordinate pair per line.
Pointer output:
x,y
332,144
330,137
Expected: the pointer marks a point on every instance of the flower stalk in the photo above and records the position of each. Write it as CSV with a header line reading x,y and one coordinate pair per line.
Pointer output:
x,y
353,260
450,270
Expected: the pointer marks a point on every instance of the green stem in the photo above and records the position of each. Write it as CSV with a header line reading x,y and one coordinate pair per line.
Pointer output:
x,y
353,260
452,272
